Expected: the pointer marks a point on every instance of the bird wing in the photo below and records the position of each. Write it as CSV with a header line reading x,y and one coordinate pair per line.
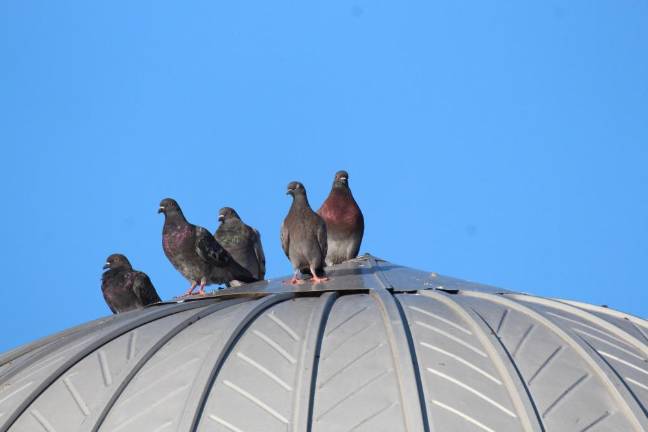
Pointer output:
x,y
144,289
208,248
285,239
260,256
322,237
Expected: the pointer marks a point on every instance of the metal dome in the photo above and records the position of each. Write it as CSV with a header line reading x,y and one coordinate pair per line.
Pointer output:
x,y
379,348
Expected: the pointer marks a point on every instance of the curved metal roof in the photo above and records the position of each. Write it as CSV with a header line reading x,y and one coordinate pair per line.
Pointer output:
x,y
379,348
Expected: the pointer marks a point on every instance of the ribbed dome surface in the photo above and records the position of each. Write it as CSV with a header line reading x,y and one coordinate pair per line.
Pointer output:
x,y
379,348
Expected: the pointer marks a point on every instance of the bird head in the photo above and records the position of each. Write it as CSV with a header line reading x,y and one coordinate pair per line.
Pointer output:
x,y
341,179
117,261
295,188
168,205
227,213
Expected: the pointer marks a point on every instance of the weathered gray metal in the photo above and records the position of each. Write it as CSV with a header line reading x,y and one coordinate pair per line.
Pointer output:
x,y
379,348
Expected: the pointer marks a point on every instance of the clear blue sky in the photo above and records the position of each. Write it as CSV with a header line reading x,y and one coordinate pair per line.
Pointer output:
x,y
498,141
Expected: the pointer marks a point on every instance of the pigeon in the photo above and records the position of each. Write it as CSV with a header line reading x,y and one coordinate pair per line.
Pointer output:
x,y
195,253
344,221
303,236
241,241
125,289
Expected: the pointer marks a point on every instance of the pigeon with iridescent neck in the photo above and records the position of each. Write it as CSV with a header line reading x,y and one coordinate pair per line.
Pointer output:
x,y
303,237
125,289
344,221
241,241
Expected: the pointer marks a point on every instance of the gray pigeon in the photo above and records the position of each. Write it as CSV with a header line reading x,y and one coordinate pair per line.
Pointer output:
x,y
303,236
241,241
125,289
195,253
344,221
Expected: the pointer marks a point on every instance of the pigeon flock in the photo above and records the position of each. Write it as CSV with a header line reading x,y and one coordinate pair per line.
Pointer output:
x,y
233,255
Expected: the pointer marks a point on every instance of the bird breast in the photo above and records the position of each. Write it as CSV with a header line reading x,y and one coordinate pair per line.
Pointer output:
x,y
174,241
341,217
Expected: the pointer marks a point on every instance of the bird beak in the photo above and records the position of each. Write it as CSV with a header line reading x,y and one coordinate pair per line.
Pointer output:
x,y
344,179
161,209
106,266
221,218
288,191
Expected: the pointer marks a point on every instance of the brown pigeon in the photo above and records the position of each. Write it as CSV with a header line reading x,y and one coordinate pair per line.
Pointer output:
x,y
125,289
241,241
344,221
195,253
303,236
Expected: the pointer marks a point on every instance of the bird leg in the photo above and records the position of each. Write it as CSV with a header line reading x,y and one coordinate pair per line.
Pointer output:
x,y
202,287
316,279
294,280
190,290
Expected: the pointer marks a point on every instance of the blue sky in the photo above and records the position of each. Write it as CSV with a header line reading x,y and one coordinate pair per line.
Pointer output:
x,y
498,141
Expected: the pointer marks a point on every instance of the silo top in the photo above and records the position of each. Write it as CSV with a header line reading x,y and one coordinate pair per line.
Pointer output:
x,y
380,347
